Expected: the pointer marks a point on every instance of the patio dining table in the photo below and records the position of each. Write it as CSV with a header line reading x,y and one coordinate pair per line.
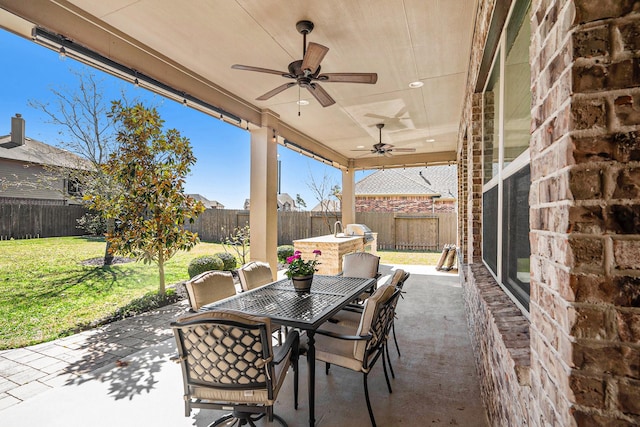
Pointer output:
x,y
303,310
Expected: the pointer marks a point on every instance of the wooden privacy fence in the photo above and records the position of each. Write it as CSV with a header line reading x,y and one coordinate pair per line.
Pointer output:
x,y
400,231
395,231
26,221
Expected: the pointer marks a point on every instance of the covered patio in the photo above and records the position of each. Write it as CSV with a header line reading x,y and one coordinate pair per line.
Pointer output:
x,y
435,380
536,101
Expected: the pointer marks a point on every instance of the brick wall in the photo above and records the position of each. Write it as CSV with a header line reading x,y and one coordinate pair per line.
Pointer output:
x,y
500,333
584,327
585,212
407,204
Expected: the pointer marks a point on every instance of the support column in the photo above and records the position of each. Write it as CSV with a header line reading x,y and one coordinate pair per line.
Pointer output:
x,y
263,215
348,196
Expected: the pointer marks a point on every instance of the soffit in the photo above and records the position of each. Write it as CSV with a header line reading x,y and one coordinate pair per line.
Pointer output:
x,y
401,40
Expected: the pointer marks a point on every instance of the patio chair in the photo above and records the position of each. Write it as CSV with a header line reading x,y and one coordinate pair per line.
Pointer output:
x,y
228,362
363,265
359,348
360,264
254,274
350,315
208,287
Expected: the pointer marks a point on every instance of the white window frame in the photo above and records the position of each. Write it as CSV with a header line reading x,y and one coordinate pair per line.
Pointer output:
x,y
514,166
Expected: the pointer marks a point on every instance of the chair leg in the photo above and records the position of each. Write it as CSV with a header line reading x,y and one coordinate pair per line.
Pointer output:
x,y
393,328
366,396
384,367
393,375
295,384
326,368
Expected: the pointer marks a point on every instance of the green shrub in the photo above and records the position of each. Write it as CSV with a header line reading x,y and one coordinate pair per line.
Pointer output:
x,y
284,252
229,261
204,263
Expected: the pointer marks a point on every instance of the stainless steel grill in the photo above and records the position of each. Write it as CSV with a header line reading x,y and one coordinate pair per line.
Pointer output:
x,y
359,230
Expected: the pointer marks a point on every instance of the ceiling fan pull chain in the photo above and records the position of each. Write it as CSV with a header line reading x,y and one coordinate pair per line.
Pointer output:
x,y
298,100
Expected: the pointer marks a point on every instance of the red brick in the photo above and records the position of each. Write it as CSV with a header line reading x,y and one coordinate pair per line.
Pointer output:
x,y
628,324
591,42
630,36
627,110
623,219
589,78
629,397
589,114
606,358
623,74
626,254
620,291
627,184
589,10
586,219
587,252
586,183
588,391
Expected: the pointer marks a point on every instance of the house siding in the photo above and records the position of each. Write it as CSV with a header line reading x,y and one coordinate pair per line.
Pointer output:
x,y
19,180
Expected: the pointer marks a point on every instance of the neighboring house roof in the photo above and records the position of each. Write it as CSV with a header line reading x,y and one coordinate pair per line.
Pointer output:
x,y
284,199
327,206
427,181
209,204
33,151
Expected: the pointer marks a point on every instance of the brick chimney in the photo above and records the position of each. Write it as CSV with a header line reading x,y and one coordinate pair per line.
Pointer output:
x,y
17,130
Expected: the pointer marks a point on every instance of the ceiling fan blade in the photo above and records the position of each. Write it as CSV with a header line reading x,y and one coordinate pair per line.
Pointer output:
x,y
362,149
275,91
312,58
260,70
321,95
405,150
387,153
369,78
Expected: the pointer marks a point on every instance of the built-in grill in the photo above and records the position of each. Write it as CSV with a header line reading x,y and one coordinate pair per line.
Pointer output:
x,y
359,230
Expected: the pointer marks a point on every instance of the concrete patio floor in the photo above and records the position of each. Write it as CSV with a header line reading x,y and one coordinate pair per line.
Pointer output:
x,y
80,381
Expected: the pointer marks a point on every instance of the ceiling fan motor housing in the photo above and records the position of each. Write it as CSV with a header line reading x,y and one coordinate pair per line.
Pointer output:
x,y
304,27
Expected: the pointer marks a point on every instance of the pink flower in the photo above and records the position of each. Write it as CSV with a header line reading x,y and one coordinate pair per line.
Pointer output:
x,y
317,252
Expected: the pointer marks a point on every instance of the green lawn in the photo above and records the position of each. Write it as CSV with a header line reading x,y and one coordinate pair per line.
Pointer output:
x,y
46,292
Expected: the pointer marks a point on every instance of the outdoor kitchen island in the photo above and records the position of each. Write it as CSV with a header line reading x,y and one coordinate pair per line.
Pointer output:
x,y
333,248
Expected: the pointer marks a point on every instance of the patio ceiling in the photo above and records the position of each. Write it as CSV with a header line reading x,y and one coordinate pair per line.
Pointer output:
x,y
190,46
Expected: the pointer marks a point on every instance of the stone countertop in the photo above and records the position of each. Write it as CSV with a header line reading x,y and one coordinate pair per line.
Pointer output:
x,y
330,238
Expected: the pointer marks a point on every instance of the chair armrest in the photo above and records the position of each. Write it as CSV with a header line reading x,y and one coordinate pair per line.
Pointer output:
x,y
344,337
281,352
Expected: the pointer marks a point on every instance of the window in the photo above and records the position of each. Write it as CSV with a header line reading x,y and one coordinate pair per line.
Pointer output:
x,y
506,171
73,187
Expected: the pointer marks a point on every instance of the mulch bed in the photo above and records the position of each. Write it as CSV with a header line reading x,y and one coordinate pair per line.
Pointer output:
x,y
99,262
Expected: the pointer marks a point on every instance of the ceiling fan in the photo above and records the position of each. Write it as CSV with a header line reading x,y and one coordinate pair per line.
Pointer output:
x,y
306,71
385,149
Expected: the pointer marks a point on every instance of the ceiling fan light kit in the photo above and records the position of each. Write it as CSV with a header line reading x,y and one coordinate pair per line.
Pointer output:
x,y
306,72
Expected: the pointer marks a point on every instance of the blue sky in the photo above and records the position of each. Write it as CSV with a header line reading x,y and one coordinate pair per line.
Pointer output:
x,y
30,71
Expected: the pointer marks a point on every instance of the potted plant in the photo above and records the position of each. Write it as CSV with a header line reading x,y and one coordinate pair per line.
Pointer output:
x,y
300,271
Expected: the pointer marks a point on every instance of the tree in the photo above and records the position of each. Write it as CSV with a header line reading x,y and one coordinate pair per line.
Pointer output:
x,y
300,201
324,191
150,209
85,129
239,240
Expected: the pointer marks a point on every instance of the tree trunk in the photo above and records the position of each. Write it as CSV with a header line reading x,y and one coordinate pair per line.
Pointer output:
x,y
161,289
108,256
